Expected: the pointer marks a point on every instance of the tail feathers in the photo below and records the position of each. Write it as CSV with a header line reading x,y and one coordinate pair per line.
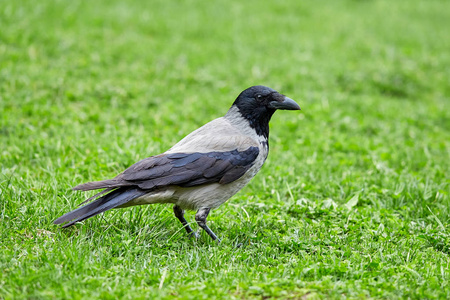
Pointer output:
x,y
104,184
104,203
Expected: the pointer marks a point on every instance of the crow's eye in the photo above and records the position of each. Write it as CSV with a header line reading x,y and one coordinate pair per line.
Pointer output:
x,y
259,96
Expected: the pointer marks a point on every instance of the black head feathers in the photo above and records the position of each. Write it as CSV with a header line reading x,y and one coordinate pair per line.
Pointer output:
x,y
258,103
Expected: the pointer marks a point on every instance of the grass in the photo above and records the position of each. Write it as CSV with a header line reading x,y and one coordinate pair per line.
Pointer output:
x,y
353,201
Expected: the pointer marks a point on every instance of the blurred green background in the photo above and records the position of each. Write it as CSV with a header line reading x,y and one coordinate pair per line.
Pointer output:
x,y
353,201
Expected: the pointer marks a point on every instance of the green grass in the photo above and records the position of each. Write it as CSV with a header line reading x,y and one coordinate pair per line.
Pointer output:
x,y
353,201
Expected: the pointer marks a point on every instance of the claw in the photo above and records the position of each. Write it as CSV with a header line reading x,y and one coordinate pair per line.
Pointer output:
x,y
194,235
200,217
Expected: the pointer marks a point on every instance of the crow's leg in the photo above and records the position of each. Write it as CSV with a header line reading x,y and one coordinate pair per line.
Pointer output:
x,y
200,217
179,213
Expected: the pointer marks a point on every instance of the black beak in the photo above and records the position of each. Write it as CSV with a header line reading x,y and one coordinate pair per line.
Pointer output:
x,y
286,104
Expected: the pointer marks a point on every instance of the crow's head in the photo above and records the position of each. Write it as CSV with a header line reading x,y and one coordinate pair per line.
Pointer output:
x,y
258,103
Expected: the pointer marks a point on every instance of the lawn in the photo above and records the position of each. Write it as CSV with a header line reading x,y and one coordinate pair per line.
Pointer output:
x,y
353,201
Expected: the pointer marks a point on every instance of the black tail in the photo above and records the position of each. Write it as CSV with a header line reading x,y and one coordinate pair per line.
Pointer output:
x,y
113,199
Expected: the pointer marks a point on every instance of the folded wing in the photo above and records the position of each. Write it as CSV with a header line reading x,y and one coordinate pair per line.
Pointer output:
x,y
182,169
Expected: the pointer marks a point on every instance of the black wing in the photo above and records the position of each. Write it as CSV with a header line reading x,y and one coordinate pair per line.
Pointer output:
x,y
182,169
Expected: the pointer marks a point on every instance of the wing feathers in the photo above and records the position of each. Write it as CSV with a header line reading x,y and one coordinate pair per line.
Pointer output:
x,y
182,169
95,185
96,196
233,174
144,174
174,179
217,168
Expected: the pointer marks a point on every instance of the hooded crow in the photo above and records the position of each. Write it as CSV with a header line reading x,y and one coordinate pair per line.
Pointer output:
x,y
200,172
